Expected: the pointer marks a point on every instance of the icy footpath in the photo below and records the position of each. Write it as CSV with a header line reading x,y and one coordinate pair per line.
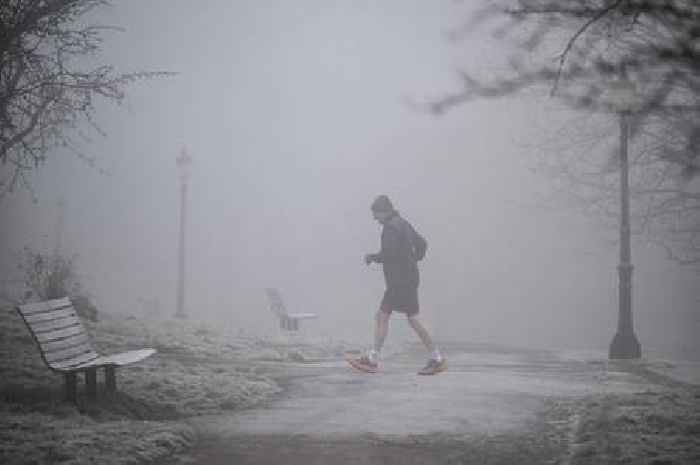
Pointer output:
x,y
493,405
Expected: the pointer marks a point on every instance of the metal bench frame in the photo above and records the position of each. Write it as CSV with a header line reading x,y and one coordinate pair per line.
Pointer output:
x,y
67,348
288,321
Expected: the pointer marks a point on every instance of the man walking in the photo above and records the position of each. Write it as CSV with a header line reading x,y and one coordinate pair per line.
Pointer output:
x,y
401,248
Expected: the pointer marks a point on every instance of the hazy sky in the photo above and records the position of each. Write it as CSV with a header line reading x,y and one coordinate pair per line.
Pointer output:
x,y
295,116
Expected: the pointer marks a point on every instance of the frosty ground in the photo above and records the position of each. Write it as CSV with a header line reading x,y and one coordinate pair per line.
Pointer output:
x,y
493,406
208,397
196,371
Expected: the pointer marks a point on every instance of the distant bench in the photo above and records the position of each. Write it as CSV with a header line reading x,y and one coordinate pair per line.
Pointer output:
x,y
66,347
288,321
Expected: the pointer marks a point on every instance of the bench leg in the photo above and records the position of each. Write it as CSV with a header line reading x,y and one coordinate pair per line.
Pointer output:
x,y
91,383
71,386
110,379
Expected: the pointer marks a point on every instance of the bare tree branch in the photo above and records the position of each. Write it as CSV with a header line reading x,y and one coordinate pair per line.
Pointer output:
x,y
47,90
656,45
596,17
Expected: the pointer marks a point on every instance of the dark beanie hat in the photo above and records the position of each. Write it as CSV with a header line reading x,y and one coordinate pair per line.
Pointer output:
x,y
382,204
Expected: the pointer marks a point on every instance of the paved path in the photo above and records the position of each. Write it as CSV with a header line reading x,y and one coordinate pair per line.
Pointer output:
x,y
488,399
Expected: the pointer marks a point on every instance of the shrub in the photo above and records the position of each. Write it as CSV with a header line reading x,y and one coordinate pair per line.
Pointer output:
x,y
52,276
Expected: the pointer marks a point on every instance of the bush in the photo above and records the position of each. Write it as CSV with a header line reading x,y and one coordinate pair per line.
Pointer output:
x,y
53,276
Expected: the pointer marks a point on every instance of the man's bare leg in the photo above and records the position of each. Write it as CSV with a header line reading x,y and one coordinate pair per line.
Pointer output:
x,y
380,331
422,333
437,362
369,362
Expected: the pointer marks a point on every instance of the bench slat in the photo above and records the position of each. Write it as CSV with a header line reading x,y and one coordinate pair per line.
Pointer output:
x,y
68,353
59,334
28,309
66,318
302,316
52,325
38,307
126,358
65,343
76,362
49,315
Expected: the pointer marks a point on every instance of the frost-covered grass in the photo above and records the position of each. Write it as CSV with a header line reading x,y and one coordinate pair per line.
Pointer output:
x,y
196,371
68,437
186,339
199,370
657,427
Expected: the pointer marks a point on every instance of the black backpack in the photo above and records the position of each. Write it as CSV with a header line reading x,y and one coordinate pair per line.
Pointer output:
x,y
420,245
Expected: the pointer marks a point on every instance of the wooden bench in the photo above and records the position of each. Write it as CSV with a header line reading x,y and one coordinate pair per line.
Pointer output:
x,y
288,321
66,347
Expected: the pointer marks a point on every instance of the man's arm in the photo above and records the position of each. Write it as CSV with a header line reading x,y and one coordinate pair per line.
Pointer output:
x,y
390,249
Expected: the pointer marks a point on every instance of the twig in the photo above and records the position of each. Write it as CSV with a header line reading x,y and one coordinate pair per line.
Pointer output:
x,y
575,37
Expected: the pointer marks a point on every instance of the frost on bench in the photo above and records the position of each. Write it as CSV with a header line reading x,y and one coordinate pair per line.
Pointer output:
x,y
66,347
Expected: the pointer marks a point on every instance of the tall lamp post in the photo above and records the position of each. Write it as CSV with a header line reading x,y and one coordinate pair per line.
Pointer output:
x,y
625,343
183,162
60,225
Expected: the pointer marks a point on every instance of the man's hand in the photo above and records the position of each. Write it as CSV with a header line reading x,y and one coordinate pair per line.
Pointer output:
x,y
369,258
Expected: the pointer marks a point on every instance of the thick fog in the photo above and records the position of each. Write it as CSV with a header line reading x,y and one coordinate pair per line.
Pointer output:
x,y
296,115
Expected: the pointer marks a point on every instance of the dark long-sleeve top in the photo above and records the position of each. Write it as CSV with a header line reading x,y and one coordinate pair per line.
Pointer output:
x,y
397,254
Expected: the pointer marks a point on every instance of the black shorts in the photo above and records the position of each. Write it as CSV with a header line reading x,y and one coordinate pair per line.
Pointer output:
x,y
402,299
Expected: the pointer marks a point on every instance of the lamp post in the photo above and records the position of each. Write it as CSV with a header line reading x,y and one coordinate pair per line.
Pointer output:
x,y
60,225
624,343
183,162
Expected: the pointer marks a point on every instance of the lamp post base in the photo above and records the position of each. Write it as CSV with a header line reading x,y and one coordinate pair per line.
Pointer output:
x,y
625,345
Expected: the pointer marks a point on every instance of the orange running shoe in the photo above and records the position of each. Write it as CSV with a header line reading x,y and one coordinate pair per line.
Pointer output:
x,y
434,367
363,364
